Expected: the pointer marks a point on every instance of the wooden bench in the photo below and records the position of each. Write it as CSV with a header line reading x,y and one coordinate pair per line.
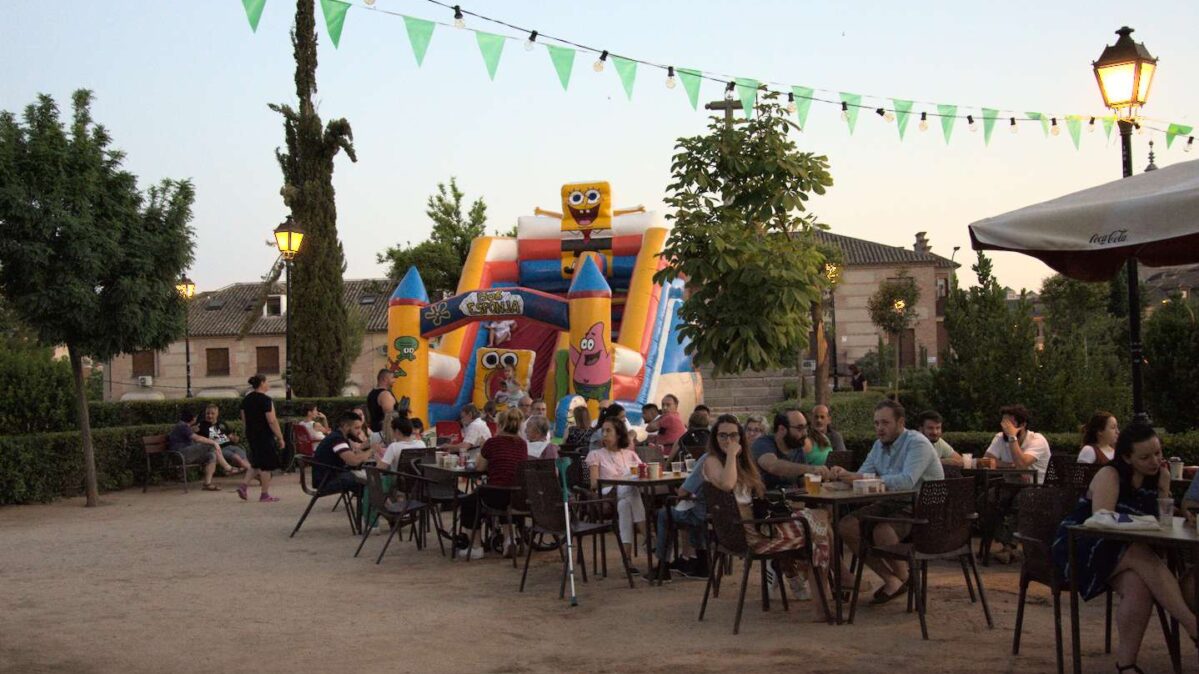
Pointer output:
x,y
158,445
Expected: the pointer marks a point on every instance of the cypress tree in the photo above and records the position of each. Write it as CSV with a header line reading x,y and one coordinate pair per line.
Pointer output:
x,y
320,326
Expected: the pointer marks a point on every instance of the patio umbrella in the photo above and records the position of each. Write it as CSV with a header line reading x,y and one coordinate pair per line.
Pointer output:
x,y
1151,218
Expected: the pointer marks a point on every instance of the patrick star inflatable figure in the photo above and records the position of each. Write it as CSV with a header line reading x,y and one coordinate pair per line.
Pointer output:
x,y
592,365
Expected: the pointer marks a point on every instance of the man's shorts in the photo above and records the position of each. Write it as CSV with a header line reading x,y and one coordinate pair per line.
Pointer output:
x,y
198,454
890,508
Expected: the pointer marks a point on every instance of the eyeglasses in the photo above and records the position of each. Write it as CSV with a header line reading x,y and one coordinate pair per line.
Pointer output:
x,y
728,436
801,427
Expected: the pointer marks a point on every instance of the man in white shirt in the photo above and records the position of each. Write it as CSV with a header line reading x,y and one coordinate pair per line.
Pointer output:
x,y
474,430
1016,446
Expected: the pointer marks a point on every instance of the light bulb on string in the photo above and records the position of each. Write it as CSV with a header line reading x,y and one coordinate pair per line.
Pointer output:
x,y
1190,144
970,121
888,116
923,121
531,41
670,80
369,3
459,20
1054,128
791,104
1091,126
844,111
598,66
1013,126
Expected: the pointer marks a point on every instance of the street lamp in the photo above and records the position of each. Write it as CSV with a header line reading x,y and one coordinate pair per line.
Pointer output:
x,y
1125,72
288,237
832,271
187,290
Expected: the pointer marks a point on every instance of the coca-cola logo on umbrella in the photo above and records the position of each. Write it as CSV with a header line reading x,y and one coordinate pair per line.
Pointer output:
x,y
1116,236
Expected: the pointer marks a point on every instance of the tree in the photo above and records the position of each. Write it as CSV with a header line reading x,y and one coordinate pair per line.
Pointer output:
x,y
441,258
1172,352
86,260
743,241
892,309
320,329
991,359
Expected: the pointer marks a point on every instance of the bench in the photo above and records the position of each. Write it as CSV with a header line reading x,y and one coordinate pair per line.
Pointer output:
x,y
157,445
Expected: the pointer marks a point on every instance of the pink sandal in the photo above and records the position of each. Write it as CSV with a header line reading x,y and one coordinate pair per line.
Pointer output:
x,y
241,492
267,498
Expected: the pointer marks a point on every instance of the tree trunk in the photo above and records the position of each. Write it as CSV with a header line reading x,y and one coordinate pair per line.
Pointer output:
x,y
85,428
821,378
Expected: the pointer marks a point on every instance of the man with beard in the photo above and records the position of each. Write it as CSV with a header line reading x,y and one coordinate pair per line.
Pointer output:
x,y
780,456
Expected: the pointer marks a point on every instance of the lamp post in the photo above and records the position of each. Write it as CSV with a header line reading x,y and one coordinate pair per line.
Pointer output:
x,y
832,271
288,237
1125,72
187,290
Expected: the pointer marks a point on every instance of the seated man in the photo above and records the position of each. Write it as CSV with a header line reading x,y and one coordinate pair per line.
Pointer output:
x,y
822,422
929,422
539,446
668,426
1017,447
336,457
474,431
215,429
691,514
780,456
196,449
903,459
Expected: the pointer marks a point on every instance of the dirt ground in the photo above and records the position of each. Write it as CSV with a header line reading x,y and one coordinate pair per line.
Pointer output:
x,y
203,582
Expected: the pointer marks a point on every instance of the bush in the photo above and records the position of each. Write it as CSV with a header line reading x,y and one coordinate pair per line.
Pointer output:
x,y
37,394
852,410
139,412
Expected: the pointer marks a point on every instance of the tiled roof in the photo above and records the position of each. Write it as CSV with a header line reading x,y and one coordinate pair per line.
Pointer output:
x,y
863,252
222,312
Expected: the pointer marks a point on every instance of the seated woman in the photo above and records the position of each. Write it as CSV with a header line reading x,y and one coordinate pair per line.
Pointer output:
x,y
404,436
612,460
1099,439
1131,484
500,457
578,436
314,421
730,467
755,427
817,448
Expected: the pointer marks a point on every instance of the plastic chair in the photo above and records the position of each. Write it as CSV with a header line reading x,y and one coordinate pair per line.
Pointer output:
x,y
841,457
318,491
399,505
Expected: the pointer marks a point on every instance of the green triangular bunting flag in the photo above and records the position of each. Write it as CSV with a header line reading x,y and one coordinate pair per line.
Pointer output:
x,y
335,18
747,91
691,80
563,59
1107,126
852,103
1074,126
803,104
419,34
491,45
1176,130
627,70
1042,119
989,117
254,12
902,110
949,115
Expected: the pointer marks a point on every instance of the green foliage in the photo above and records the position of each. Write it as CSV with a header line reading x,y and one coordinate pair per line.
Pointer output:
x,y
876,365
86,260
892,307
320,326
991,360
35,391
1172,352
95,385
440,259
853,411
743,241
166,412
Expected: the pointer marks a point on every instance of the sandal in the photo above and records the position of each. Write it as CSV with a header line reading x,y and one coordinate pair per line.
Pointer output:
x,y
267,498
241,492
208,486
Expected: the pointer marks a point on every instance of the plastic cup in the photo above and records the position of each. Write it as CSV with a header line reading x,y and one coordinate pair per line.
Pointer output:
x,y
811,483
633,471
1165,512
677,467
689,464
654,470
967,461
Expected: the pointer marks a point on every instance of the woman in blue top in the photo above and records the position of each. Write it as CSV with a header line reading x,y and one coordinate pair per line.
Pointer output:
x,y
1130,484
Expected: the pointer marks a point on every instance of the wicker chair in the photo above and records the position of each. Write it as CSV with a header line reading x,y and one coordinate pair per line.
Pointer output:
x,y
940,530
318,491
547,507
841,457
729,539
401,504
1064,471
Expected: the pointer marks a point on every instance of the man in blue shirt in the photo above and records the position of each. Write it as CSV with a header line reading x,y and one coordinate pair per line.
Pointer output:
x,y
690,514
780,456
335,457
902,459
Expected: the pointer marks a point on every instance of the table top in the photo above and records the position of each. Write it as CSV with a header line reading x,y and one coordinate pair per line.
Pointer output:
x,y
460,470
1009,470
847,496
631,481
1178,535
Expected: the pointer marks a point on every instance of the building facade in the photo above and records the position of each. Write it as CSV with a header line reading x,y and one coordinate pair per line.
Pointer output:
x,y
223,359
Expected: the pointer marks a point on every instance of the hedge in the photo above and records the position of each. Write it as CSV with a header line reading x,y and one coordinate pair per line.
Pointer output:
x,y
139,412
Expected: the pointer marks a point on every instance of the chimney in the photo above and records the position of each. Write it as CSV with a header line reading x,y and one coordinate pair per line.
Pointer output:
x,y
922,243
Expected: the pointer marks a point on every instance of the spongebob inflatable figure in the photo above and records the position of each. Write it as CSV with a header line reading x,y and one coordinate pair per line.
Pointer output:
x,y
501,374
587,222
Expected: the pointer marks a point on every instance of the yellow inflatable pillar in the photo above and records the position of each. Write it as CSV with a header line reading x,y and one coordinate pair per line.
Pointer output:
x,y
407,350
590,306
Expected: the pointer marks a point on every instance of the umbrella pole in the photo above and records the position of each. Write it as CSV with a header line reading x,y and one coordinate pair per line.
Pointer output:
x,y
1134,291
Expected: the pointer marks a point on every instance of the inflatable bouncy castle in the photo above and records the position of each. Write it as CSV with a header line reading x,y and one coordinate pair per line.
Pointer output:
x,y
567,311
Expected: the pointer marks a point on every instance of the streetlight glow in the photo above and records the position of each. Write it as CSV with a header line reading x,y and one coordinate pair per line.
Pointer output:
x,y
288,237
1125,73
186,288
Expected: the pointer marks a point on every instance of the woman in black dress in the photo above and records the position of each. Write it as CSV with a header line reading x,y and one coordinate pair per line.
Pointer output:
x,y
264,436
1131,485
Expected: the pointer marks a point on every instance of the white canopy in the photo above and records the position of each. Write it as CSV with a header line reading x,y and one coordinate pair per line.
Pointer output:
x,y
1088,235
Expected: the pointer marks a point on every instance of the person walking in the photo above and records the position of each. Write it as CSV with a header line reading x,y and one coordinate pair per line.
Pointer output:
x,y
262,431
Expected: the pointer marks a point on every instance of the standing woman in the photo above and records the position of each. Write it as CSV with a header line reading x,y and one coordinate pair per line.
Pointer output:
x,y
264,436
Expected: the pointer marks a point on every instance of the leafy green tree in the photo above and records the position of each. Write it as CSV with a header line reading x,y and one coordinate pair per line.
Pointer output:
x,y
441,257
1082,368
991,359
892,309
320,330
1172,352
86,260
743,241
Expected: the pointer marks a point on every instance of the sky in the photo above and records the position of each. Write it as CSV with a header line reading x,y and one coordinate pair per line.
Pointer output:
x,y
183,88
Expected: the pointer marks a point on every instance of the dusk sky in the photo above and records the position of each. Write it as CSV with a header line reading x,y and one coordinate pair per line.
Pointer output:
x,y
183,87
